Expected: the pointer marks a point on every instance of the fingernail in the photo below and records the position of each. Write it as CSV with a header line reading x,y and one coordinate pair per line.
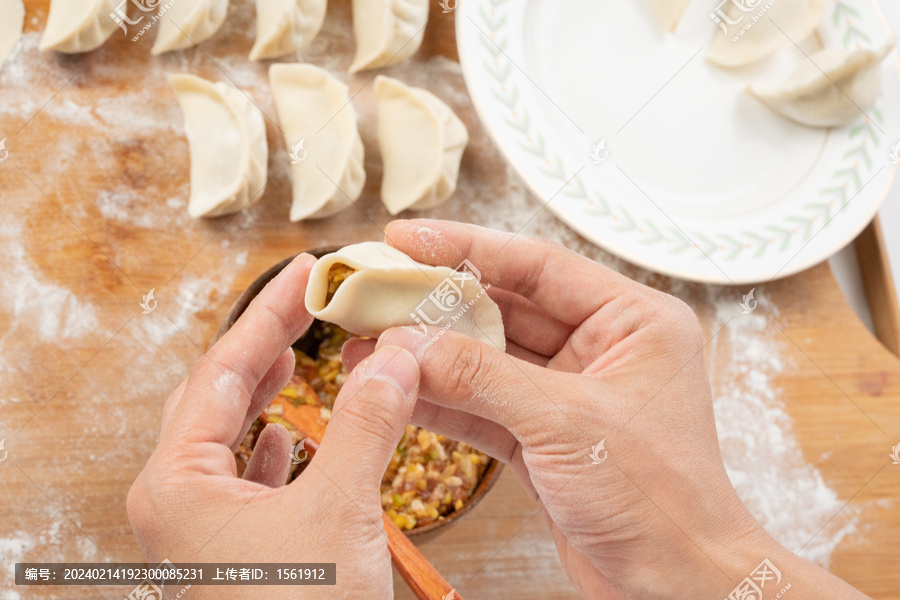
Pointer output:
x,y
396,366
411,338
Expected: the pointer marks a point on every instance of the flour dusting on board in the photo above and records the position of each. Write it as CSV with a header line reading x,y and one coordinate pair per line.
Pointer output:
x,y
765,463
34,303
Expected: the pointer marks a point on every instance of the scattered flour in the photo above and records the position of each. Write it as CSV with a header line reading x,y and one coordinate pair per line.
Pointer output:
x,y
35,304
765,463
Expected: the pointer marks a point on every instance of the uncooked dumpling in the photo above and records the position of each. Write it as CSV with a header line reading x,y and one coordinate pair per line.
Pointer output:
x,y
285,26
387,31
370,287
227,138
320,131
189,22
422,142
785,23
13,12
669,12
831,89
78,25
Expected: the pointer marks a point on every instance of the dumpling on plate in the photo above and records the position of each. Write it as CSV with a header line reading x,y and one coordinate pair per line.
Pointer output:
x,y
739,40
285,26
320,130
227,138
669,12
370,287
78,25
422,142
387,31
831,89
189,22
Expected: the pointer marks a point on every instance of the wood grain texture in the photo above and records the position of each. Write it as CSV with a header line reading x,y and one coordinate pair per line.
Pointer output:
x,y
881,294
93,217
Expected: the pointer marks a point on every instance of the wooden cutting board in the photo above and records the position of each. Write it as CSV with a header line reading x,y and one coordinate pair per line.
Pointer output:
x,y
94,215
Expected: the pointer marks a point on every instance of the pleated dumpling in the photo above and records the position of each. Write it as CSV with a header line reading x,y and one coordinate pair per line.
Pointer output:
x,y
285,26
370,287
78,25
422,142
833,88
319,125
669,12
11,26
387,31
740,40
189,22
227,138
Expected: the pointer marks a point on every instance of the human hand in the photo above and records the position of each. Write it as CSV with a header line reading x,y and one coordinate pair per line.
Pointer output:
x,y
188,505
592,356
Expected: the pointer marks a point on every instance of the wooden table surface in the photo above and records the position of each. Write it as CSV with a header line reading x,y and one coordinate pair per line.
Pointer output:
x,y
94,215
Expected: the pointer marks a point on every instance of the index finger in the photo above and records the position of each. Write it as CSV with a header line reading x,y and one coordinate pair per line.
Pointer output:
x,y
221,384
567,285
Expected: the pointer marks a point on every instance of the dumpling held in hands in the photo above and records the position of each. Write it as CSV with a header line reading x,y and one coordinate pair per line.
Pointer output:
x,y
370,287
833,88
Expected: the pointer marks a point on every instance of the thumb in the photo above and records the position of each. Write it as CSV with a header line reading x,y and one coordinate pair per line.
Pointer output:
x,y
369,417
460,372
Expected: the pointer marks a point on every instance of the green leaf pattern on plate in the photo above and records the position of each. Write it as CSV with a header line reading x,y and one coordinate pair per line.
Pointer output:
x,y
797,229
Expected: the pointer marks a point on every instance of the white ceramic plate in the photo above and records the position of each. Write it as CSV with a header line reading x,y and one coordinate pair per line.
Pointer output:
x,y
697,179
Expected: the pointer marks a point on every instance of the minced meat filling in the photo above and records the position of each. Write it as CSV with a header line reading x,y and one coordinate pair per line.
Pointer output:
x,y
429,476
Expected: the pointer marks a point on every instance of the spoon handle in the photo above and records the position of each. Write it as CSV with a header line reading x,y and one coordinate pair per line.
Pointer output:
x,y
422,578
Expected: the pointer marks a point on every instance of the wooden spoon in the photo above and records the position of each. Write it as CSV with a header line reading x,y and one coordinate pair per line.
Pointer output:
x,y
423,579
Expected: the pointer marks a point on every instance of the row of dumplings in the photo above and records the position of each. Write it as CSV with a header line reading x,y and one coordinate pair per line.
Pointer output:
x,y
421,140
386,30
833,88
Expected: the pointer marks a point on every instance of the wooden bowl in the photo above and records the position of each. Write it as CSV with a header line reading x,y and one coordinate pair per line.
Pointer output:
x,y
309,344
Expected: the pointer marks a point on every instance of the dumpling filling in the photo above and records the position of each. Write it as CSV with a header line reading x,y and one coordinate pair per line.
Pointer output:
x,y
337,275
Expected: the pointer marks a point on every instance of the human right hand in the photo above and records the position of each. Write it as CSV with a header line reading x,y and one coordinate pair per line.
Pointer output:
x,y
593,356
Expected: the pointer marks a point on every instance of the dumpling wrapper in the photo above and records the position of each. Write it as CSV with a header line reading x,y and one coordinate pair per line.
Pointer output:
x,y
285,26
227,138
387,31
833,88
785,23
13,12
187,23
78,25
314,107
669,12
389,289
422,143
